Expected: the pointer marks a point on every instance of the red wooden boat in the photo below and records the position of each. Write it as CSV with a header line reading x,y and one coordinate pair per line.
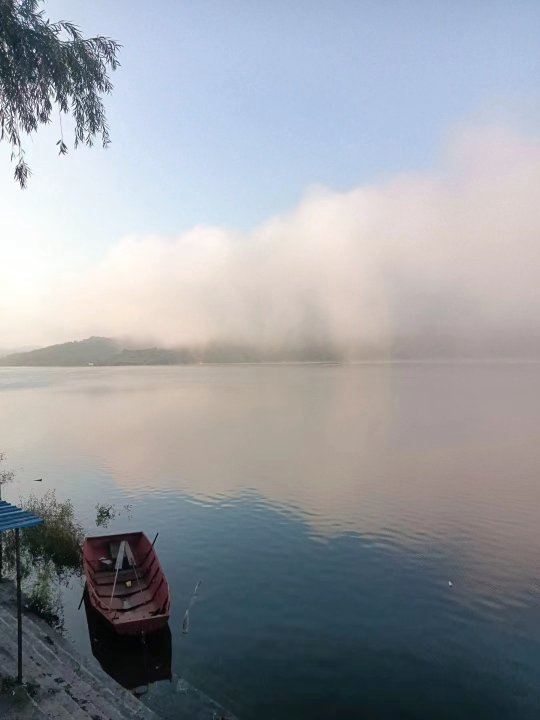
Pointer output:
x,y
125,582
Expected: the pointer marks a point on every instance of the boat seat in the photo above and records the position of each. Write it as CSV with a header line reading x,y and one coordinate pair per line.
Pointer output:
x,y
121,589
105,577
139,614
136,600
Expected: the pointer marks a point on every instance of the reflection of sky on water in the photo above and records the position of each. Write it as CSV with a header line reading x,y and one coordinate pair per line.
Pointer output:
x,y
325,508
351,449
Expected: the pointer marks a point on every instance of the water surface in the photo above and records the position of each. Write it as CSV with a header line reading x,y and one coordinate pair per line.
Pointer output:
x,y
326,510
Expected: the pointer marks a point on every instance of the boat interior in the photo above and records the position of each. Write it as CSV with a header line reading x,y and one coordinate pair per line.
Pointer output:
x,y
125,576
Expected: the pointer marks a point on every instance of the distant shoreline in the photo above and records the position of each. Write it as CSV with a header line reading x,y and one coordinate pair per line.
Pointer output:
x,y
324,363
112,352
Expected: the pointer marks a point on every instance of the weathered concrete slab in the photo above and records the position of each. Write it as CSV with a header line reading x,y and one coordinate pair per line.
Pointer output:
x,y
64,684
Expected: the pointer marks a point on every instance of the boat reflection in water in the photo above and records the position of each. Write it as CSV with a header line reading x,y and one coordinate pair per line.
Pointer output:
x,y
132,661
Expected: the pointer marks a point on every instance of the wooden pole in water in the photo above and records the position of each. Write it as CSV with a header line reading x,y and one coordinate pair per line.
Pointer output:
x,y
19,606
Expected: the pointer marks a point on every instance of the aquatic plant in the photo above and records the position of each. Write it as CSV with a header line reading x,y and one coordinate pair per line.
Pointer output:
x,y
42,595
50,553
59,538
106,513
6,476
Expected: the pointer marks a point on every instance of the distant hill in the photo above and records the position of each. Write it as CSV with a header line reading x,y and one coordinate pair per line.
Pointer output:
x,y
96,350
110,351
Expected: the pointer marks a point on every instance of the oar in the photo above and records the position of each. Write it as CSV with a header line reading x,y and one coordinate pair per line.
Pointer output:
x,y
185,621
151,546
84,588
82,598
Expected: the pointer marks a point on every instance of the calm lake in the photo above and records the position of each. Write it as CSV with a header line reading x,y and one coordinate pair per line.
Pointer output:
x,y
367,536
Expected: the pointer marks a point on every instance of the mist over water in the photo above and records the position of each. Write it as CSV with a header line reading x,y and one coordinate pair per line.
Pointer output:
x,y
415,265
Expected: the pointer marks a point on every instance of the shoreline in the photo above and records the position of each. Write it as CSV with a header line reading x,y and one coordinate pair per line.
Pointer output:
x,y
59,683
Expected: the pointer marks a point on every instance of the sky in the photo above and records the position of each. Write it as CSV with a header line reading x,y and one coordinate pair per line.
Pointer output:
x,y
352,171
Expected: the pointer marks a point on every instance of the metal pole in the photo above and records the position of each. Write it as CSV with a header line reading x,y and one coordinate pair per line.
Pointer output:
x,y
1,545
19,607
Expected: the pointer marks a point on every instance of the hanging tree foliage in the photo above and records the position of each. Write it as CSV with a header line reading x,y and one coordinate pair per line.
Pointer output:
x,y
44,66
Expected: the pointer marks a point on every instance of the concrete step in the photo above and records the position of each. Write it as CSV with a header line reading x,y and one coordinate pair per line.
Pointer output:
x,y
94,676
70,686
64,690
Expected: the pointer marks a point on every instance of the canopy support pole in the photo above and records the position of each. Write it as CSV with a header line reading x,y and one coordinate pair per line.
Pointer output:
x,y
15,518
1,545
19,606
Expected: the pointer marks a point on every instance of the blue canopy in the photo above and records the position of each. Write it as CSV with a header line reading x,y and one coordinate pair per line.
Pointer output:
x,y
13,517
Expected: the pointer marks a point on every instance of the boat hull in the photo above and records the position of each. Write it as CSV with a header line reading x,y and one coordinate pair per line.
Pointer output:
x,y
139,627
128,660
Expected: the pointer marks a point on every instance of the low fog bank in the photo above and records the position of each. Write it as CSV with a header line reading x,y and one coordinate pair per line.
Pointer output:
x,y
421,265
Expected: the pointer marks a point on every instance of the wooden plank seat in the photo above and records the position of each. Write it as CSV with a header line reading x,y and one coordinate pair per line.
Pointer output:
x,y
146,599
122,590
106,577
139,613
129,603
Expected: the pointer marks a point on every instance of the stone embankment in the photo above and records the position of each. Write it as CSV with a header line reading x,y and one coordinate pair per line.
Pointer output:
x,y
59,683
